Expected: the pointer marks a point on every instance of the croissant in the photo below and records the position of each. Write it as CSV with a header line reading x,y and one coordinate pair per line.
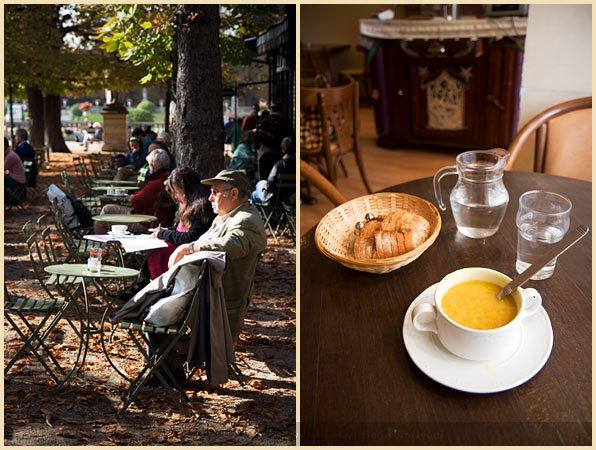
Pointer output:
x,y
392,235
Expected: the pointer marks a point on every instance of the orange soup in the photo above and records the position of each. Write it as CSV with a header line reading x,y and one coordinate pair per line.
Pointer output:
x,y
474,304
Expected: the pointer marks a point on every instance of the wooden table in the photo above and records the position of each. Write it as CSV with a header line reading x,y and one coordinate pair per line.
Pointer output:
x,y
358,383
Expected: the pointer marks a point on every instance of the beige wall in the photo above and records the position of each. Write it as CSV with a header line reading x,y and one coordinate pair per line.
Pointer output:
x,y
557,63
336,24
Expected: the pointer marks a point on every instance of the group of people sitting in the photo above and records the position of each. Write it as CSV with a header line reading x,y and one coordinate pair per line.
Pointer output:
x,y
265,149
213,214
14,170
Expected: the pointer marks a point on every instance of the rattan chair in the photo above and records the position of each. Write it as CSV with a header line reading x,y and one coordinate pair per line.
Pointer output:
x,y
338,122
563,140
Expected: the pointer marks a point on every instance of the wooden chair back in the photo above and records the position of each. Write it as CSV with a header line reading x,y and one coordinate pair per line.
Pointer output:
x,y
314,177
338,108
563,140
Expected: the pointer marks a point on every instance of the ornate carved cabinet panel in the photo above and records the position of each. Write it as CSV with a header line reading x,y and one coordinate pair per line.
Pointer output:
x,y
451,93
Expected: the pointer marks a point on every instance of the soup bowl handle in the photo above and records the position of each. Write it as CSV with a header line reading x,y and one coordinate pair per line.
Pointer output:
x,y
430,324
533,302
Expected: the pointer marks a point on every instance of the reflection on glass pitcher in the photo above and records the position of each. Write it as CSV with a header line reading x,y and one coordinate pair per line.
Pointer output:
x,y
479,199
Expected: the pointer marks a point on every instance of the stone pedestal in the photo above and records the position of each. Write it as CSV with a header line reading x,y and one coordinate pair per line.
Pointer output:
x,y
115,131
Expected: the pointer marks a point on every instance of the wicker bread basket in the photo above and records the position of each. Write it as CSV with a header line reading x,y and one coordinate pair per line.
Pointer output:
x,y
335,234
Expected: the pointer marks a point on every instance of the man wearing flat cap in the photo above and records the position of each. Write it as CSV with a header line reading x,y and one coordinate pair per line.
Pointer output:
x,y
239,232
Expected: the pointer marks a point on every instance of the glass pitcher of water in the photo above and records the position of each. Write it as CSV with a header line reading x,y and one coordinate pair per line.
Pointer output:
x,y
479,198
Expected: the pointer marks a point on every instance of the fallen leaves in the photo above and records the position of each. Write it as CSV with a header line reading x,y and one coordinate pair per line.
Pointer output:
x,y
85,412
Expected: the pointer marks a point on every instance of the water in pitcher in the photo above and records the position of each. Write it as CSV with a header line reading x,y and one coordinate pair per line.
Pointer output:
x,y
477,221
533,241
479,198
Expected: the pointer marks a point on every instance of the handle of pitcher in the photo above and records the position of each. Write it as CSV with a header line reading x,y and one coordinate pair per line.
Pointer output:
x,y
449,170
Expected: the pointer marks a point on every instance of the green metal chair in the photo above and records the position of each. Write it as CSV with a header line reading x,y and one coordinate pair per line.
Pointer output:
x,y
290,217
156,355
273,212
36,319
92,203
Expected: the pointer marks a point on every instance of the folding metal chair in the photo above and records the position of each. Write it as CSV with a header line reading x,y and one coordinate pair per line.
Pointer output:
x,y
273,212
73,240
57,308
92,203
156,355
290,216
84,174
97,167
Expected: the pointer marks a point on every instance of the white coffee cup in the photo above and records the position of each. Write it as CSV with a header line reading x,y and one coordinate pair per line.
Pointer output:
x,y
119,229
468,343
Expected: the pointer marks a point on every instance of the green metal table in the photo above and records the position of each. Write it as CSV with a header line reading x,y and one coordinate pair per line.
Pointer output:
x,y
116,183
116,186
82,272
124,218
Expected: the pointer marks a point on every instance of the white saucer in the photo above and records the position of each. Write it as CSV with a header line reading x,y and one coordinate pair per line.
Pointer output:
x,y
479,377
111,233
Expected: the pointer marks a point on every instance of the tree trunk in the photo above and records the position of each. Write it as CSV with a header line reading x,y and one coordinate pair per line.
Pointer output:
x,y
35,106
51,112
198,125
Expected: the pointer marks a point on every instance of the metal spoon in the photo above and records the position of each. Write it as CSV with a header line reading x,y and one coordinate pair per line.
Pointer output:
x,y
559,248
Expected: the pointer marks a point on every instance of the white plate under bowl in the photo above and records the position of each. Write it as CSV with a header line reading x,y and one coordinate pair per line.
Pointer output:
x,y
479,377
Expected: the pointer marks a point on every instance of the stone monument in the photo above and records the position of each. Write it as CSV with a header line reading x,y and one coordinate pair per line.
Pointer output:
x,y
115,130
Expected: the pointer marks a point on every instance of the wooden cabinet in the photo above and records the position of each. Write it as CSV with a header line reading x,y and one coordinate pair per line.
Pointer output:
x,y
461,93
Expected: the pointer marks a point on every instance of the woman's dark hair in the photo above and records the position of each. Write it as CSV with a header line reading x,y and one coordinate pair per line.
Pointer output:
x,y
196,195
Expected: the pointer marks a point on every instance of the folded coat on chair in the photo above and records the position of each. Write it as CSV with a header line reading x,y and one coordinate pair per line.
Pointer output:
x,y
164,300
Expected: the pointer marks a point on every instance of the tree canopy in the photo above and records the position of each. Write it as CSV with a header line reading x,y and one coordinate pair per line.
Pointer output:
x,y
50,47
144,35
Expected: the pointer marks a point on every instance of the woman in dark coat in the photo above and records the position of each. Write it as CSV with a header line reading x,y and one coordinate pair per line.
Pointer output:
x,y
195,215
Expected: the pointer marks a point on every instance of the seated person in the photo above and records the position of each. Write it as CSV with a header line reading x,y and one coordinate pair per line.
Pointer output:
x,y
153,146
195,215
14,175
143,202
244,157
266,189
164,136
94,133
25,151
233,137
142,136
239,232
135,159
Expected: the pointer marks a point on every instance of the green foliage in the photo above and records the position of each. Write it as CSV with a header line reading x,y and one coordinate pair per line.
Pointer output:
x,y
140,115
148,106
143,35
50,46
76,112
140,34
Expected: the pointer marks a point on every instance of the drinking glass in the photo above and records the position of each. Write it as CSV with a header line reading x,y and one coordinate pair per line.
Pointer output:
x,y
542,221
94,261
